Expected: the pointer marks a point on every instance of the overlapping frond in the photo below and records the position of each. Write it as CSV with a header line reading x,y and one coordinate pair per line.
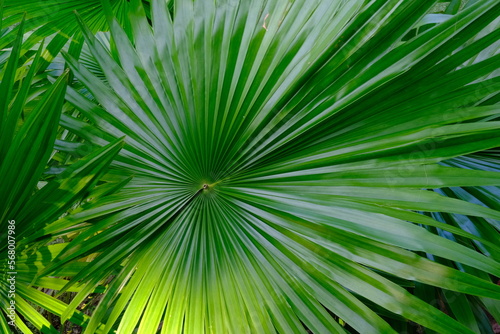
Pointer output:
x,y
279,151
27,140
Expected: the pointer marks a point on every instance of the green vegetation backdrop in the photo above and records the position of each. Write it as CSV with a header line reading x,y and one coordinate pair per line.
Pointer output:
x,y
257,166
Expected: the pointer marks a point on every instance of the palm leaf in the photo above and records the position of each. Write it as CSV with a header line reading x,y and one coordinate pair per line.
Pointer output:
x,y
26,143
278,152
46,18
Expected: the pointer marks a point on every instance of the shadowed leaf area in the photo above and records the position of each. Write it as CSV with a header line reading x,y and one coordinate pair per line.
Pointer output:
x,y
260,166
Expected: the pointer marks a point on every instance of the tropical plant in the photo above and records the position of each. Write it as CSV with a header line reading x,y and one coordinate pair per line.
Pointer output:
x,y
287,167
29,128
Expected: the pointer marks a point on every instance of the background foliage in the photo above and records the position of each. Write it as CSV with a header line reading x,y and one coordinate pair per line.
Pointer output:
x,y
262,166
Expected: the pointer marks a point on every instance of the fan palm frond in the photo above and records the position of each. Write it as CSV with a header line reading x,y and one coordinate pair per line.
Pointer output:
x,y
278,153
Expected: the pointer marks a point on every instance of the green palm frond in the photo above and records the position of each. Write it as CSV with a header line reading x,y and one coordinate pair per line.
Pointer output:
x,y
28,130
472,312
278,154
45,18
